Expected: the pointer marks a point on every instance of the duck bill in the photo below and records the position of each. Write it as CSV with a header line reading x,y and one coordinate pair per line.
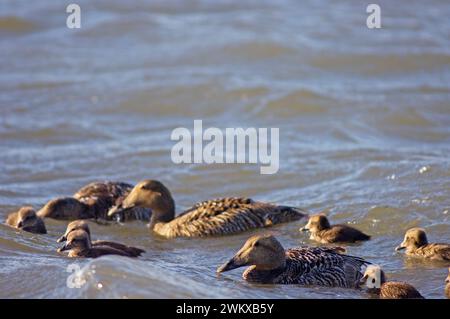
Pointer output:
x,y
400,247
304,228
363,280
233,263
61,239
63,248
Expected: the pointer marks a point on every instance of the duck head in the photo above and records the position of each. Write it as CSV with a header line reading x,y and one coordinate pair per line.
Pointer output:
x,y
149,194
264,252
65,208
414,238
72,226
373,275
26,218
77,239
316,223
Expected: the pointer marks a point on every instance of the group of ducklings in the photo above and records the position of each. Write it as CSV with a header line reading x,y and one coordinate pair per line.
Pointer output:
x,y
268,261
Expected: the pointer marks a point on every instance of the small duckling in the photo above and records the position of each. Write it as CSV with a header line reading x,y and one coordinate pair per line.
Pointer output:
x,y
27,220
79,245
416,244
83,225
271,264
447,286
324,233
375,279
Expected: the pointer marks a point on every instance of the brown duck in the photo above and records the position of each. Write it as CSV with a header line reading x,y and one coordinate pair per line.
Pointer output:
x,y
26,220
416,244
375,279
79,245
447,285
214,217
323,232
93,201
83,225
319,266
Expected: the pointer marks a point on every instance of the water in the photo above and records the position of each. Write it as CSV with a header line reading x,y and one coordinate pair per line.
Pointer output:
x,y
364,120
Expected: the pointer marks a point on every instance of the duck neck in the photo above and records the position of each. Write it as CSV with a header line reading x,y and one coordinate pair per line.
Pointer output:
x,y
162,216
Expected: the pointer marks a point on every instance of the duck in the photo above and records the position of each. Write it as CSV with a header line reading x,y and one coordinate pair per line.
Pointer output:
x,y
27,220
416,244
447,285
269,263
79,245
322,232
375,279
83,225
216,217
93,202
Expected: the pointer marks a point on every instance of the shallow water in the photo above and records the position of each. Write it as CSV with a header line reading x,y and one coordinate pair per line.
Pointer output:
x,y
364,120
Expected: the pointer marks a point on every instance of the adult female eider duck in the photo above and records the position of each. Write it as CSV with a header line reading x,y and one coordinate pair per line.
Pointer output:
x,y
416,244
27,220
93,201
214,217
387,289
447,286
323,232
79,245
319,266
83,225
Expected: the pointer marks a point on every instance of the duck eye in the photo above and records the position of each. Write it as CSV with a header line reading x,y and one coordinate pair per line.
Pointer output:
x,y
373,280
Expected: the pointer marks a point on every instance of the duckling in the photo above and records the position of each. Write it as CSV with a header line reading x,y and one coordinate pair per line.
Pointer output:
x,y
324,233
214,217
93,201
375,279
79,245
83,225
319,266
416,244
27,220
447,286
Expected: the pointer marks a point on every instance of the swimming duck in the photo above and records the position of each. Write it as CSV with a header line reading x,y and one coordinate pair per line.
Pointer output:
x,y
83,225
375,279
447,286
416,244
79,245
271,264
27,220
214,217
323,232
93,201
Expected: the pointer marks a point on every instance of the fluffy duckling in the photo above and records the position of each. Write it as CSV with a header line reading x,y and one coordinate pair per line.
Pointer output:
x,y
324,233
447,286
83,225
26,220
93,201
79,245
214,217
271,264
375,279
416,244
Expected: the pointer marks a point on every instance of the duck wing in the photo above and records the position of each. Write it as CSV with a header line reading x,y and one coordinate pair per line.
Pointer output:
x,y
399,290
435,251
134,251
322,266
229,215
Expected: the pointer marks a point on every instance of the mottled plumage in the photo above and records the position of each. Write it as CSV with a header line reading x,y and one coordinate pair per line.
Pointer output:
x,y
79,245
26,220
375,279
416,244
93,201
324,233
83,225
214,217
318,266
